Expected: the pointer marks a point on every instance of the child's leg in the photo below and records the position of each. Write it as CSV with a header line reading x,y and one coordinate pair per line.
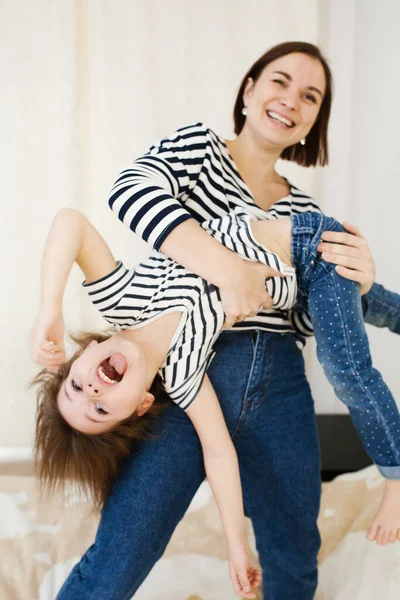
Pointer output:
x,y
380,306
275,235
334,306
343,350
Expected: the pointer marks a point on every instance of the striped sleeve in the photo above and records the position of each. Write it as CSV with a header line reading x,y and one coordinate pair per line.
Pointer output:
x,y
185,393
301,323
105,293
150,194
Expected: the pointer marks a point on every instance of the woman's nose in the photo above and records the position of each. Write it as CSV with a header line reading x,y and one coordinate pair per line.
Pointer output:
x,y
289,100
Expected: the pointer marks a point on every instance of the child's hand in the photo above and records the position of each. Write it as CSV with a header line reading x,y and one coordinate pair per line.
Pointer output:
x,y
244,576
47,340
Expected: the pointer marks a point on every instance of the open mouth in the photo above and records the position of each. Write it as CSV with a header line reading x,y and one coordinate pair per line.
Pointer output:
x,y
275,117
111,370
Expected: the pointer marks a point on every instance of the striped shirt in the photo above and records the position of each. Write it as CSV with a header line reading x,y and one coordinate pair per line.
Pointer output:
x,y
191,174
132,298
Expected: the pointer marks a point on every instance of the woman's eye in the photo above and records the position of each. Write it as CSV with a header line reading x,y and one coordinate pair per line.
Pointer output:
x,y
310,97
279,81
75,386
100,410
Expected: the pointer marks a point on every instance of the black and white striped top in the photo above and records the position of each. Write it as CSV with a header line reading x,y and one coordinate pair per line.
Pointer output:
x,y
192,175
133,298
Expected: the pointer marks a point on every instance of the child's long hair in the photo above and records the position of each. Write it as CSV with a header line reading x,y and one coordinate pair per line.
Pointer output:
x,y
63,454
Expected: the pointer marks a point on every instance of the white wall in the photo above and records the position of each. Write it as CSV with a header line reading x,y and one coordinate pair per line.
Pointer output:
x,y
361,38
87,86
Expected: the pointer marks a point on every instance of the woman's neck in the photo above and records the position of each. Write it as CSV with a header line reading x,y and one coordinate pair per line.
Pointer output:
x,y
256,162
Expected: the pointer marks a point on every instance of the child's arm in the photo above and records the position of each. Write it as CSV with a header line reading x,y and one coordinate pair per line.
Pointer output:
x,y
71,239
222,470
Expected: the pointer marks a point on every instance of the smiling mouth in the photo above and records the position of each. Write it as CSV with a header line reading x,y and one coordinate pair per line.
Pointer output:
x,y
111,370
273,115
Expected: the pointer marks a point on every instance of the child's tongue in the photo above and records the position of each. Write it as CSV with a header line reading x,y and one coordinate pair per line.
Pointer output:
x,y
119,362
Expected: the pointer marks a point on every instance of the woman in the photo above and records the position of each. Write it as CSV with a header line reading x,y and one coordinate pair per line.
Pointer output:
x,y
258,371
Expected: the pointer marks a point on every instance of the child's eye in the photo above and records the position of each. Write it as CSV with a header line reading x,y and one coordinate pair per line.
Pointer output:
x,y
75,386
100,410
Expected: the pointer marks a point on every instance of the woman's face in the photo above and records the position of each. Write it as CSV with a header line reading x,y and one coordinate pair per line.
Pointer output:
x,y
105,385
283,104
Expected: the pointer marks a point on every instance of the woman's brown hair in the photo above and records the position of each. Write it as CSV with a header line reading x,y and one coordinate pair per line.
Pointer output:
x,y
90,462
315,152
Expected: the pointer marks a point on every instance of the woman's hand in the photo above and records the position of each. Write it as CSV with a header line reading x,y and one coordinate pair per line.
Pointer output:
x,y
351,253
245,294
244,577
47,339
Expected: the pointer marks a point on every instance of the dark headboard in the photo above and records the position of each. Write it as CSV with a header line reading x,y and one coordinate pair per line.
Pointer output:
x,y
341,448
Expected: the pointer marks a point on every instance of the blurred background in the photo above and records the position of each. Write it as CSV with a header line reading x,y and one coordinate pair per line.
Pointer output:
x,y
87,85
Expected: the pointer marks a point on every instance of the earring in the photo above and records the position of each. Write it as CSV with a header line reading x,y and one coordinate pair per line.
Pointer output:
x,y
244,111
303,141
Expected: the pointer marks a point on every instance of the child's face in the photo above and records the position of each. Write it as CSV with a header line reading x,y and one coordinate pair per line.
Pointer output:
x,y
105,385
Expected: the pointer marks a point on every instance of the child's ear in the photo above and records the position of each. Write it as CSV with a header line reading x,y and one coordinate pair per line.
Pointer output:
x,y
145,404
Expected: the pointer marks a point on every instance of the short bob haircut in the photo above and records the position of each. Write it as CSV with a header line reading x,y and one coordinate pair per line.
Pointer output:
x,y
315,152
65,456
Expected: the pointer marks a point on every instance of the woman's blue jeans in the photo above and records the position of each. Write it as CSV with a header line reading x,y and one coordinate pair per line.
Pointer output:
x,y
335,309
260,381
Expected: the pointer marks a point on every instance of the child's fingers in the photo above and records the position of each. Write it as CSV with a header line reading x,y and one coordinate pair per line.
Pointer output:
x,y
53,352
51,366
51,346
235,581
48,360
240,592
255,577
244,580
49,355
244,584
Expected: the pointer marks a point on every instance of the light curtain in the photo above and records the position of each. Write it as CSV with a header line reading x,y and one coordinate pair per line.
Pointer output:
x,y
88,85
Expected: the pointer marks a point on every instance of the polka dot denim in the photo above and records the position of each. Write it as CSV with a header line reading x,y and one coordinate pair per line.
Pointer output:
x,y
334,306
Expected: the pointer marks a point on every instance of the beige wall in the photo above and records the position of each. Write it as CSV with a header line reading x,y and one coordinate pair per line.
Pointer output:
x,y
89,86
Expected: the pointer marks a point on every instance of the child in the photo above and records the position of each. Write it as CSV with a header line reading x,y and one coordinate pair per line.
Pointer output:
x,y
167,321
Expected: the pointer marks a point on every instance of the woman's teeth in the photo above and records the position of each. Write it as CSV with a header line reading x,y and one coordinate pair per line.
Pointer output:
x,y
104,377
277,117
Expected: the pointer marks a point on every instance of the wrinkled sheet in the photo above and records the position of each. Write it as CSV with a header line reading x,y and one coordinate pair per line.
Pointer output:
x,y
40,543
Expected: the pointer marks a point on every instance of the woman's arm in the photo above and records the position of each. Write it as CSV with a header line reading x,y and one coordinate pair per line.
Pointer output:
x,y
222,470
148,197
241,283
71,239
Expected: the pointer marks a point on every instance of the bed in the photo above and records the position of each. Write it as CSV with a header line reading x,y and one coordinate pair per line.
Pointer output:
x,y
39,544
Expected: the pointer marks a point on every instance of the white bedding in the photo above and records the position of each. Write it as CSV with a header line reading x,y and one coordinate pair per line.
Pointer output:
x,y
39,545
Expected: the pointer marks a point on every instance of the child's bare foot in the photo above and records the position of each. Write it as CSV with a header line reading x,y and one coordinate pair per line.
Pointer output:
x,y
385,528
